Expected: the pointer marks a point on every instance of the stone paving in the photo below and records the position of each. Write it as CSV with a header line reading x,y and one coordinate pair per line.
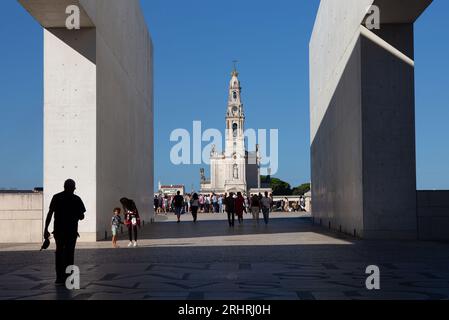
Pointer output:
x,y
289,259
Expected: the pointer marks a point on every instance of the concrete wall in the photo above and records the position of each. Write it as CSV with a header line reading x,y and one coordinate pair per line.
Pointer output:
x,y
362,119
124,109
337,179
70,118
21,217
388,134
334,37
98,108
433,215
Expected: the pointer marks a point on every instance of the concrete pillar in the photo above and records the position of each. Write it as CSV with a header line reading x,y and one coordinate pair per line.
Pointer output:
x,y
98,107
388,133
362,119
70,117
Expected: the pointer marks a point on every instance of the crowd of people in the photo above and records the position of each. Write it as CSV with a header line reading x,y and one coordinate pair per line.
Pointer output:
x,y
234,204
215,203
210,203
206,203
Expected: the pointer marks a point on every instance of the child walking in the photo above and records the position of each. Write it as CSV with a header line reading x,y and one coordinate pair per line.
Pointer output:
x,y
115,224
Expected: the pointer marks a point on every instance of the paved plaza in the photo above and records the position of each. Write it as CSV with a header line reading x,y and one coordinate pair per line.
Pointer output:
x,y
289,259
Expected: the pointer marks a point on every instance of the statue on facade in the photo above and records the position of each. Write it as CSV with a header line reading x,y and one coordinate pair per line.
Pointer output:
x,y
236,172
202,175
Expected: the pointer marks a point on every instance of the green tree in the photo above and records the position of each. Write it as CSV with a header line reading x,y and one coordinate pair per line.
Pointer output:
x,y
301,190
279,187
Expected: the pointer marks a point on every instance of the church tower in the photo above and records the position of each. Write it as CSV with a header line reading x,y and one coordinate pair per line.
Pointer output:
x,y
235,119
235,150
230,170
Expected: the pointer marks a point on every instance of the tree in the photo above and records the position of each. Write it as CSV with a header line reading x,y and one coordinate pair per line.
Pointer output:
x,y
279,187
301,190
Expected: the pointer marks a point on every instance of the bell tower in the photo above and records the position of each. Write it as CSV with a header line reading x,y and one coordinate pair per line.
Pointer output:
x,y
229,169
235,151
235,119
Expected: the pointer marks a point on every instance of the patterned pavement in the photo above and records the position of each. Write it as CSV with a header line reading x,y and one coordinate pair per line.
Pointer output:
x,y
289,259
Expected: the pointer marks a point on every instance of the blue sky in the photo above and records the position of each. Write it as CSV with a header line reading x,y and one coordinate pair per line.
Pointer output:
x,y
195,43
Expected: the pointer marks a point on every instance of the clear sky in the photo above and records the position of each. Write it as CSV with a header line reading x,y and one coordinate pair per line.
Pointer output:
x,y
195,43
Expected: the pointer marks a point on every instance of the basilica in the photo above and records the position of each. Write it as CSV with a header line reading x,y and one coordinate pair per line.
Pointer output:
x,y
235,169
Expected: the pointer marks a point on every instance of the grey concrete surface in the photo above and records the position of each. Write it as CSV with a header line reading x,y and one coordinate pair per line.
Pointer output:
x,y
52,13
98,106
388,136
433,214
21,217
363,119
289,259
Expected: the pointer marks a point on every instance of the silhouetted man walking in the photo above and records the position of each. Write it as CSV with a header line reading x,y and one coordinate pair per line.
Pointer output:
x,y
178,201
68,209
230,209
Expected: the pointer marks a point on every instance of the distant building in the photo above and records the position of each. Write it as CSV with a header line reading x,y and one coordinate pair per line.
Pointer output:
x,y
235,169
171,190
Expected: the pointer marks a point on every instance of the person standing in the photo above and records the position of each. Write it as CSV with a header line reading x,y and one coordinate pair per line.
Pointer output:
x,y
266,205
214,203
165,204
187,203
240,207
132,219
160,201
115,226
224,202
302,204
230,209
178,203
207,203
286,205
220,204
156,204
201,200
68,210
255,207
195,203
247,204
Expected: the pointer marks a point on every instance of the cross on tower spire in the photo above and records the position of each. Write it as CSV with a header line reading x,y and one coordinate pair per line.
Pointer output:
x,y
234,72
235,64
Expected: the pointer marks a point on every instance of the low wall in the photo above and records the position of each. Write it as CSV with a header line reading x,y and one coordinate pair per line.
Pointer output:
x,y
433,215
21,217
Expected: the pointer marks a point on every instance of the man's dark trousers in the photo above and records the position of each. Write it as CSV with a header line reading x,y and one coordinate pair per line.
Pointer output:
x,y
65,254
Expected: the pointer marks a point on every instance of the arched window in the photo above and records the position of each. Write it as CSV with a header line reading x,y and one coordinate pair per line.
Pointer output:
x,y
234,129
235,95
